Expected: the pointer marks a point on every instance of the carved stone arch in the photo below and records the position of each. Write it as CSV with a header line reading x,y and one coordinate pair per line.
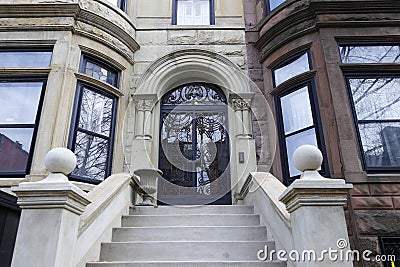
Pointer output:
x,y
194,66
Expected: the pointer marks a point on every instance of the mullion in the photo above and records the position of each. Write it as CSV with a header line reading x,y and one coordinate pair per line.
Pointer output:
x,y
300,131
16,126
93,133
377,121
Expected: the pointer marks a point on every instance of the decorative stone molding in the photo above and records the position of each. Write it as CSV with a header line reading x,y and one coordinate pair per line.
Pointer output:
x,y
144,115
94,19
241,104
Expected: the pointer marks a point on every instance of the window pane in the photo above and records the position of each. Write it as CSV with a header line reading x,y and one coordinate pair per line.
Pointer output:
x,y
91,153
376,99
296,111
274,4
96,112
101,73
381,144
14,149
293,142
19,102
24,59
298,66
193,12
370,54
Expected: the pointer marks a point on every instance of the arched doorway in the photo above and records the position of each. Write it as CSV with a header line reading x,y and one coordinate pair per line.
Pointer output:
x,y
194,146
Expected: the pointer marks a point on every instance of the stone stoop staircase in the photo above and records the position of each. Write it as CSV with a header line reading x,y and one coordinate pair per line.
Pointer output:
x,y
203,236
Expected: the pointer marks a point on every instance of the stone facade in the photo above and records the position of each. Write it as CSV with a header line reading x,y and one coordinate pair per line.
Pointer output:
x,y
373,207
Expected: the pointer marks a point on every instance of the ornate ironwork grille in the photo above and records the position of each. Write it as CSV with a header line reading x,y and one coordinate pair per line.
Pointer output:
x,y
194,147
391,246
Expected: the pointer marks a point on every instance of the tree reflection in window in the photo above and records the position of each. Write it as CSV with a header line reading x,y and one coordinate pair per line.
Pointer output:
x,y
92,140
376,103
370,53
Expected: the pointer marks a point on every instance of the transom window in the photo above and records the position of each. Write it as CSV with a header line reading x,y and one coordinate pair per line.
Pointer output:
x,y
375,101
99,70
292,67
193,12
297,113
20,104
24,58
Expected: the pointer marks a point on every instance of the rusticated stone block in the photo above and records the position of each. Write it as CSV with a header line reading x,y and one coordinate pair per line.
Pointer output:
x,y
372,202
378,222
369,243
396,202
385,189
360,190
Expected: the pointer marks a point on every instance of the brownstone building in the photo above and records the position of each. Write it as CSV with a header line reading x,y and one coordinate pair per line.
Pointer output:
x,y
331,72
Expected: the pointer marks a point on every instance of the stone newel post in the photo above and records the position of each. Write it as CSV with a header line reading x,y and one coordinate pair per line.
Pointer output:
x,y
49,220
317,214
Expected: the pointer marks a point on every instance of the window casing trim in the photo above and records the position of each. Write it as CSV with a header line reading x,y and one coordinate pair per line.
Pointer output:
x,y
75,127
175,13
34,126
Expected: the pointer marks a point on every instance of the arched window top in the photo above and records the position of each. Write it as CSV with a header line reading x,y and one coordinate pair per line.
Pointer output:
x,y
195,94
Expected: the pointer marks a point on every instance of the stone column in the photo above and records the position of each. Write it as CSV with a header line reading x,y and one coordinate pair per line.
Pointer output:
x,y
49,222
316,212
241,105
144,119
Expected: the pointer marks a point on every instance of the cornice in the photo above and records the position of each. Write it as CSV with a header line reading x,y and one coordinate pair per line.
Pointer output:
x,y
310,10
74,11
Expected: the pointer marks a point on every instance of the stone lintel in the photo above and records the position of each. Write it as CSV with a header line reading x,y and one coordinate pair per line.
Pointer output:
x,y
60,195
327,192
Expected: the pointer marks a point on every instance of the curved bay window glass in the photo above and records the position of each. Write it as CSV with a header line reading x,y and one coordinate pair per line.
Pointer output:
x,y
297,114
20,104
193,12
376,104
93,132
360,54
194,146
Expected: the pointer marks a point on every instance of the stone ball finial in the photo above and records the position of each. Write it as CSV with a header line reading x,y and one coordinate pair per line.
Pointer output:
x,y
307,158
60,160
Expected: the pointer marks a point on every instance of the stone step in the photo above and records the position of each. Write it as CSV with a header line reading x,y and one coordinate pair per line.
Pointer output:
x,y
187,264
185,233
191,220
216,209
183,251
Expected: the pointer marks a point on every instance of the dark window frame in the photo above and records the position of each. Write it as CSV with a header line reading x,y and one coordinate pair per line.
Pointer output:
x,y
34,126
317,125
123,5
88,58
75,128
175,13
367,75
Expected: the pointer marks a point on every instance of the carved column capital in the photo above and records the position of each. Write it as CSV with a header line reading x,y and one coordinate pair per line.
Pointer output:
x,y
144,102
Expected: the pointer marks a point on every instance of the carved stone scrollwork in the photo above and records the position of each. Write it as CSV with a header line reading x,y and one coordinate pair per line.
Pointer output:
x,y
241,104
144,104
